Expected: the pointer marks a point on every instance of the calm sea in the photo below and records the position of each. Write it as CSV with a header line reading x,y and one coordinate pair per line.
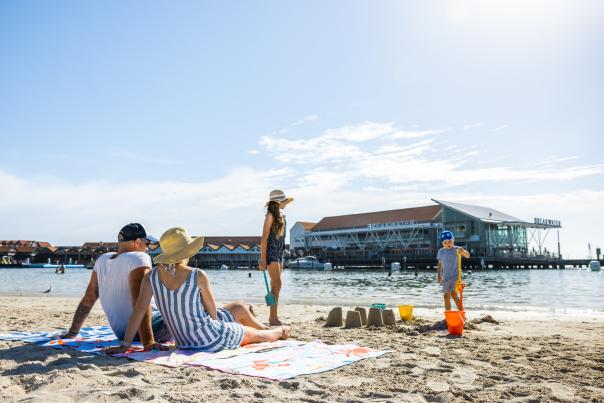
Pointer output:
x,y
512,290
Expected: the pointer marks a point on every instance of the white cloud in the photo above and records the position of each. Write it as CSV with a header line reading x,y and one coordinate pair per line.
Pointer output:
x,y
471,126
502,127
354,168
413,134
64,212
361,132
351,153
253,152
308,151
554,160
305,119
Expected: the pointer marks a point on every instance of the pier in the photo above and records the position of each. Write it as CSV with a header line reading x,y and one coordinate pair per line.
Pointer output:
x,y
474,263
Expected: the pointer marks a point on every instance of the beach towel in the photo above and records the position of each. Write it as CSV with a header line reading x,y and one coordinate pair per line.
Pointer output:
x,y
278,360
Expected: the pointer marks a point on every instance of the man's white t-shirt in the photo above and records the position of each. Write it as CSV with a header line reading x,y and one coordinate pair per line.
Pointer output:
x,y
114,286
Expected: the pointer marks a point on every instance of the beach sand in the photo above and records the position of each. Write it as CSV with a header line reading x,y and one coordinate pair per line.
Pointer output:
x,y
519,359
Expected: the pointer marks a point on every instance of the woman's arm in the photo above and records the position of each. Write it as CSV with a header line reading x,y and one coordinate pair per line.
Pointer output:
x,y
135,280
207,297
268,222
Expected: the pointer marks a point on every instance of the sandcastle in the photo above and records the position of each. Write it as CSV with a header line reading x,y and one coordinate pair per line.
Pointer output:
x,y
375,317
388,317
363,313
359,317
353,320
334,319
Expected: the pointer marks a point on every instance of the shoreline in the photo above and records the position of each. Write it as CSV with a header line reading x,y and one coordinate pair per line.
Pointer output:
x,y
431,312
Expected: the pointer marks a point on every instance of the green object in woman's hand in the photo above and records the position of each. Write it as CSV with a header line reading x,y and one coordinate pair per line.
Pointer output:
x,y
269,298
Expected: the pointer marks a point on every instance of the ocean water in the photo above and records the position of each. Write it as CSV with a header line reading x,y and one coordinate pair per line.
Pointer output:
x,y
506,290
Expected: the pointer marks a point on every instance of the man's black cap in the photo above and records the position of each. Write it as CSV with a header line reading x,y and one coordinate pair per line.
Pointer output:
x,y
135,231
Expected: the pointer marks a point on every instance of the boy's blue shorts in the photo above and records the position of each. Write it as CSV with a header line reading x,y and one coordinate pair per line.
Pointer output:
x,y
449,285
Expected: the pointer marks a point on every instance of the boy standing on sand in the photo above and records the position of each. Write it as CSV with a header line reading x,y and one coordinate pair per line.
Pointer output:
x,y
447,268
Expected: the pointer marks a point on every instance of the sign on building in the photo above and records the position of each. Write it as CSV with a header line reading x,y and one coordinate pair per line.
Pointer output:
x,y
548,222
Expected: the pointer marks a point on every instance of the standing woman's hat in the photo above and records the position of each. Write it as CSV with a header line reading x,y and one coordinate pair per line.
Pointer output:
x,y
176,245
278,196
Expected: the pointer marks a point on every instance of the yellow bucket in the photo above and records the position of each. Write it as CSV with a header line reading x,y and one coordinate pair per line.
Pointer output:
x,y
406,312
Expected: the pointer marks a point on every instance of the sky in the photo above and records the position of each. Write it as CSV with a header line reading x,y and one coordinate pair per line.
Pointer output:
x,y
190,112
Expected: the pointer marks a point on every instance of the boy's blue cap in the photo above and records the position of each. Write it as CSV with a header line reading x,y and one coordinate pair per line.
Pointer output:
x,y
445,235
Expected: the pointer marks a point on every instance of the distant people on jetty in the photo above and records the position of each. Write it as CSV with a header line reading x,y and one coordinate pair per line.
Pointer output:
x,y
448,268
116,280
272,246
193,318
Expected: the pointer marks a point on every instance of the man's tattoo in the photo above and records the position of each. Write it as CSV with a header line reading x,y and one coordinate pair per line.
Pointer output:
x,y
79,317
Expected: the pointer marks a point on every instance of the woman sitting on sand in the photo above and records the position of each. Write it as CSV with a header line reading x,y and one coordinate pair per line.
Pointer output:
x,y
185,300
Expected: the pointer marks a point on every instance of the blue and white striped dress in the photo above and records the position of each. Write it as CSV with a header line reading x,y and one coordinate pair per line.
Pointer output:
x,y
191,326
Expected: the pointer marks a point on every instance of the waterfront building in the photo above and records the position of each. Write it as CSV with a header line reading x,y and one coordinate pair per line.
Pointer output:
x,y
413,233
24,251
232,251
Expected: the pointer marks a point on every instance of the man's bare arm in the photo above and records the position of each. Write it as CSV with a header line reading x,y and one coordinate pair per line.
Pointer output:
x,y
135,280
85,306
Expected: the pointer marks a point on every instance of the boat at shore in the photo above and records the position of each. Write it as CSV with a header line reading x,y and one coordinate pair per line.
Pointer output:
x,y
307,263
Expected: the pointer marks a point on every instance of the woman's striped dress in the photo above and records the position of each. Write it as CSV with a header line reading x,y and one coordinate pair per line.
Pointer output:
x,y
187,320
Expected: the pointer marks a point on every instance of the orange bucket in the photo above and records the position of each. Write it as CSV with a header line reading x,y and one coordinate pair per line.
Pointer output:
x,y
455,321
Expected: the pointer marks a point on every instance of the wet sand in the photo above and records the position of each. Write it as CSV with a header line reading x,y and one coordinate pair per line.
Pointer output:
x,y
520,359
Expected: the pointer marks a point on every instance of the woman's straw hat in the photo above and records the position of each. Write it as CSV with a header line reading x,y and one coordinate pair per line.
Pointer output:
x,y
279,197
176,245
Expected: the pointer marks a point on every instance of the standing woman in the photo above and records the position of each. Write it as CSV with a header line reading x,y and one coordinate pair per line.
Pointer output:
x,y
273,245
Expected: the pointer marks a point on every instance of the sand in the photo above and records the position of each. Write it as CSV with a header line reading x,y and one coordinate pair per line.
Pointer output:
x,y
519,359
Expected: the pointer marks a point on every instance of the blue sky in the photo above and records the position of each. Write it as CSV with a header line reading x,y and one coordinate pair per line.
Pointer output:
x,y
188,113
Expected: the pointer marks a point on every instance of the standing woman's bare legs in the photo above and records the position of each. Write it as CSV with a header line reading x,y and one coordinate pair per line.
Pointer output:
x,y
274,271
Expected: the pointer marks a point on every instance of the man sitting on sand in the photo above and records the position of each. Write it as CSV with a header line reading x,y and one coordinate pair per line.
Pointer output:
x,y
116,279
